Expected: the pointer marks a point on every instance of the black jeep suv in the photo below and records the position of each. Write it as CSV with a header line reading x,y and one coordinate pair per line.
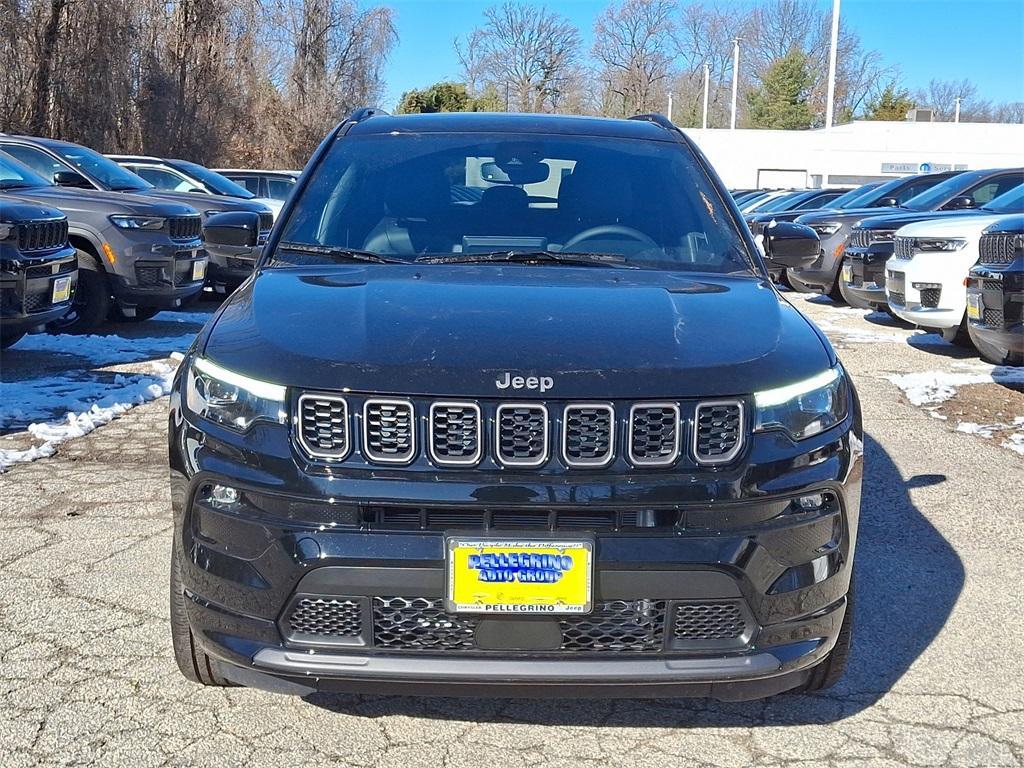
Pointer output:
x,y
38,268
512,407
995,293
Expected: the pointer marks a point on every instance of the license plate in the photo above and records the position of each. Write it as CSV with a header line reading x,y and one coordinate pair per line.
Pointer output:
x,y
974,306
519,576
199,269
61,289
847,273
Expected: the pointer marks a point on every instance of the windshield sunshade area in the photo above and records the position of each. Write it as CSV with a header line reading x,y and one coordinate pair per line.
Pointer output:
x,y
427,196
109,174
14,175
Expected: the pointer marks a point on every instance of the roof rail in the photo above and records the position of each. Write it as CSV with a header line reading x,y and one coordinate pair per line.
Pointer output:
x,y
657,119
362,113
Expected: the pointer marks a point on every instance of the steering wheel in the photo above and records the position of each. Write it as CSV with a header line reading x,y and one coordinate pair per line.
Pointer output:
x,y
608,229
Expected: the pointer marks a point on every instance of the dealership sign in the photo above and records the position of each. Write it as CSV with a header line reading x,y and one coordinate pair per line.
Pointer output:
x,y
920,167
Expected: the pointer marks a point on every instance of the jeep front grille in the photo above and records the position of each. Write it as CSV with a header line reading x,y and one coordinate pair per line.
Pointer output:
x,y
394,517
266,224
323,429
997,248
903,248
456,433
42,236
184,227
521,438
860,238
654,434
389,431
318,619
718,431
588,435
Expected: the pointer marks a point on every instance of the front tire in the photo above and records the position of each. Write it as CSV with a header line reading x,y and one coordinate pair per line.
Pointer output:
x,y
193,663
91,303
830,669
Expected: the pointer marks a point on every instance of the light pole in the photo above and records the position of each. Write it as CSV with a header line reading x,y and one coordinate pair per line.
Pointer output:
x,y
833,52
735,79
956,115
707,78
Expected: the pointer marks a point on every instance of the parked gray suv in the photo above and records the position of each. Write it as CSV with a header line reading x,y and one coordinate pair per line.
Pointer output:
x,y
136,255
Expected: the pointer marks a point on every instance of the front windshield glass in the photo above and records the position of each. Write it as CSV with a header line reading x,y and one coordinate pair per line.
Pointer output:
x,y
1008,202
109,174
219,184
850,199
14,175
935,196
408,196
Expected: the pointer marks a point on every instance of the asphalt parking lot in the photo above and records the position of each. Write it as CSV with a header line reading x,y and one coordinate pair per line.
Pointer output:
x,y
936,676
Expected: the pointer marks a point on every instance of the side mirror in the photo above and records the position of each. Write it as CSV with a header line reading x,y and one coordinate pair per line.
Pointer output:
x,y
71,179
959,203
887,202
791,245
239,229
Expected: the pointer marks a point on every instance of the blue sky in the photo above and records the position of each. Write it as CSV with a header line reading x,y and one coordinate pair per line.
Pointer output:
x,y
982,40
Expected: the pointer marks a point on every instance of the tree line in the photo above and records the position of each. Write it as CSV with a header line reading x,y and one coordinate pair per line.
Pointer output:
x,y
259,82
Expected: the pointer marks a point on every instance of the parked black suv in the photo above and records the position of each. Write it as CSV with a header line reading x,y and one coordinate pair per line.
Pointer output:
x,y
995,293
136,255
38,268
487,447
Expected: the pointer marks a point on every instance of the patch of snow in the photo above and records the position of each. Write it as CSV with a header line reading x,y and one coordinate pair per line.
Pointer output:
x,y
1015,442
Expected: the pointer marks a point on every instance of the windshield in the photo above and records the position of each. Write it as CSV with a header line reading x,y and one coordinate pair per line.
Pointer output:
x,y
105,171
850,199
409,196
935,196
1008,202
14,175
781,203
219,184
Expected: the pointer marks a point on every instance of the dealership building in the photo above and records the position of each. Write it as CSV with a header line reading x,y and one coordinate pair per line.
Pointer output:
x,y
857,152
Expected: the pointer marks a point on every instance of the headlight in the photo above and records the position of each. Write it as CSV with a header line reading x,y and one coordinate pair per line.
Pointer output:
x,y
882,235
806,408
826,229
231,399
139,222
939,244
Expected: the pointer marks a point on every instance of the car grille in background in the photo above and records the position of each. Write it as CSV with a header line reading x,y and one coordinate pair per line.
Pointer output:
x,y
42,236
993,318
266,222
719,431
522,435
389,431
323,425
897,298
860,238
184,227
709,621
456,433
314,619
588,435
903,248
997,248
930,297
654,434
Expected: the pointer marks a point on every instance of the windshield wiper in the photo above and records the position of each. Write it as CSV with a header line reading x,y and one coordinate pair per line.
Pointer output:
x,y
341,254
530,257
15,185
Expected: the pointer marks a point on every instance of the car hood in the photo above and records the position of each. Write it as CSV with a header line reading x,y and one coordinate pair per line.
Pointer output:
x,y
203,202
897,220
961,226
844,215
455,330
72,201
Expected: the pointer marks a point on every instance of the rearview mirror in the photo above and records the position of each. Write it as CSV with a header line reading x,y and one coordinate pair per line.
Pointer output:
x,y
959,203
239,229
71,179
887,202
515,171
791,245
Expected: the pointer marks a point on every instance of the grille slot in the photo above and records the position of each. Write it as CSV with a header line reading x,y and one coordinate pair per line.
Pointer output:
x,y
860,238
389,431
897,298
521,438
326,617
51,268
709,621
456,433
930,297
997,248
323,426
654,434
903,248
992,317
266,223
394,517
588,435
718,431
617,626
184,227
420,624
42,236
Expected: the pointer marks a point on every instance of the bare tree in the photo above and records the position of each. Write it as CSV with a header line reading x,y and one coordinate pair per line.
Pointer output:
x,y
940,96
529,54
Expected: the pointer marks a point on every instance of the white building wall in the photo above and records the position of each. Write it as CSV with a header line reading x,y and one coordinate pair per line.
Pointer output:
x,y
856,151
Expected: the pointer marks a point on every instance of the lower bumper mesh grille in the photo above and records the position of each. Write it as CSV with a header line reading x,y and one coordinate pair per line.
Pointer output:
x,y
709,621
993,318
897,298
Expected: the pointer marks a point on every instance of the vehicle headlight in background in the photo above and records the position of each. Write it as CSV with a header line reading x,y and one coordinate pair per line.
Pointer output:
x,y
805,408
139,222
882,235
931,244
231,399
827,228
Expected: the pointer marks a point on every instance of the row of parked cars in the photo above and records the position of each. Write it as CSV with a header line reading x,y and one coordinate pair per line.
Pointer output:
x,y
941,251
87,238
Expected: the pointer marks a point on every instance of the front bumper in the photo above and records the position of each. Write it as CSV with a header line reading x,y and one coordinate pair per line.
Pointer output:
x,y
926,295
821,275
867,272
159,275
27,290
738,545
998,294
230,266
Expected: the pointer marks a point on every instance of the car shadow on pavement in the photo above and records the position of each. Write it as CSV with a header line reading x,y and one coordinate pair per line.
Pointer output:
x,y
908,579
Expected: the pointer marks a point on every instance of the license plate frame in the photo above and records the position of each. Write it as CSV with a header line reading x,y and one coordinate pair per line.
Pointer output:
x,y
973,306
847,273
528,584
61,290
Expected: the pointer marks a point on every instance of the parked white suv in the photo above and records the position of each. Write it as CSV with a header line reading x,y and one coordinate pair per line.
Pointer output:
x,y
925,276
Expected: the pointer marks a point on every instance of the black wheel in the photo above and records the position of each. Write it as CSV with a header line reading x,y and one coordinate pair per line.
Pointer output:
x,y
992,353
91,303
9,338
141,314
193,663
836,292
830,669
958,335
